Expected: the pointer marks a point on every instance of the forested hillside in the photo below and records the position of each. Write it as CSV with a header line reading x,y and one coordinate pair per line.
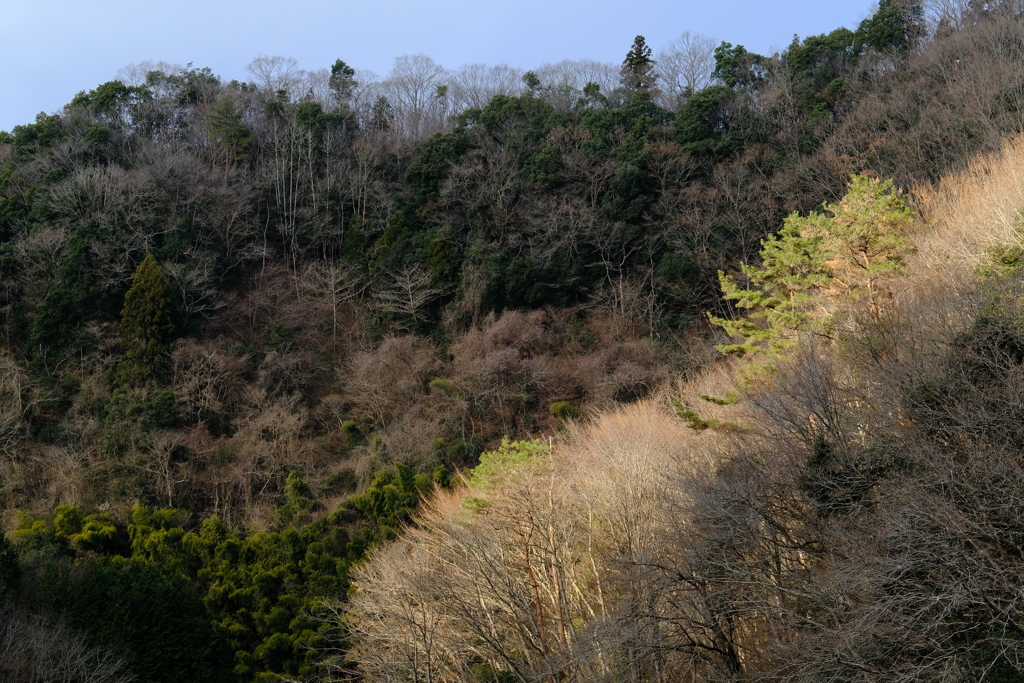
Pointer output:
x,y
323,376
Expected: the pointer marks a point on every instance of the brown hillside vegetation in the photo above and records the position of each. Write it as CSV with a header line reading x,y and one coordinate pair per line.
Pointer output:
x,y
855,517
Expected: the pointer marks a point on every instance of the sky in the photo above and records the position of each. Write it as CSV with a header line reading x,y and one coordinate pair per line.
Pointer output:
x,y
50,51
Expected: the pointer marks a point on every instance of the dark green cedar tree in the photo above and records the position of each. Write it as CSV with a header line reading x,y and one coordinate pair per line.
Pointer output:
x,y
637,71
146,321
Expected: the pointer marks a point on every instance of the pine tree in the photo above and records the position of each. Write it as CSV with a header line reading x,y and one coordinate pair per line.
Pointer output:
x,y
792,268
846,253
146,321
865,237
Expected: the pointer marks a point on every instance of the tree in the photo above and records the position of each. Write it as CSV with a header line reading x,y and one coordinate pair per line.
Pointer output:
x,y
865,237
146,321
382,116
227,129
792,267
895,28
736,67
274,74
686,66
638,67
342,82
848,253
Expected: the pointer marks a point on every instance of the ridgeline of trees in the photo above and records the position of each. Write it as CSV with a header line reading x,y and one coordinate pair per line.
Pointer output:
x,y
246,327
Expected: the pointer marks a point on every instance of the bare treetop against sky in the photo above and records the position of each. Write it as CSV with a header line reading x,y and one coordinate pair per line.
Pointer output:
x,y
54,50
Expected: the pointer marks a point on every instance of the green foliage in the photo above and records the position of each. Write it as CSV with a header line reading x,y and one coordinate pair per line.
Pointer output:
x,y
895,28
638,66
132,415
531,81
564,410
1004,261
146,323
730,398
190,86
382,114
113,98
341,482
156,620
390,498
850,252
98,134
866,236
703,123
227,129
312,116
694,421
510,458
298,499
736,67
196,604
353,435
342,82
793,267
433,162
47,130
276,335
445,387
86,533
817,67
70,299
161,410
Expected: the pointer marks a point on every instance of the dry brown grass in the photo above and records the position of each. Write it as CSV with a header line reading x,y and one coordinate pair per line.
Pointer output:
x,y
969,213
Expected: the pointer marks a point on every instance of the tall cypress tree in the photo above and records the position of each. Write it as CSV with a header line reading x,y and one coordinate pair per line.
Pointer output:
x,y
146,324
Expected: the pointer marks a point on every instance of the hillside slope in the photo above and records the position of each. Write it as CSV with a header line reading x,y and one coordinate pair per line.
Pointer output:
x,y
852,515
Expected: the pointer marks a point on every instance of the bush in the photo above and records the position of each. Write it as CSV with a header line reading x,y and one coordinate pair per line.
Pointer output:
x,y
564,410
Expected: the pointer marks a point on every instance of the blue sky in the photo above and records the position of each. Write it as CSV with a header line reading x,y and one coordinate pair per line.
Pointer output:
x,y
53,50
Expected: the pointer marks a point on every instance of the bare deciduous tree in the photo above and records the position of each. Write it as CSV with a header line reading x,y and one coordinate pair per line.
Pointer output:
x,y
274,73
686,66
32,649
408,295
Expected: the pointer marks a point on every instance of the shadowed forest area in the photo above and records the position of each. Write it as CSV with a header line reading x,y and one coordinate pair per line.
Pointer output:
x,y
701,366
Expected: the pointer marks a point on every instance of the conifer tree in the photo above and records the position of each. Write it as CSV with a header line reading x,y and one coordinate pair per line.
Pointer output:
x,y
146,321
792,267
846,255
637,71
227,129
866,237
342,83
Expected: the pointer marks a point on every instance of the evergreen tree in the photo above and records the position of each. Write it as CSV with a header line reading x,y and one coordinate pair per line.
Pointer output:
x,y
848,254
382,115
792,267
342,82
146,321
865,237
896,27
638,67
227,129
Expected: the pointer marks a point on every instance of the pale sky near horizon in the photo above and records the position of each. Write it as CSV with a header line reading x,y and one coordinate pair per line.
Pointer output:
x,y
53,50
